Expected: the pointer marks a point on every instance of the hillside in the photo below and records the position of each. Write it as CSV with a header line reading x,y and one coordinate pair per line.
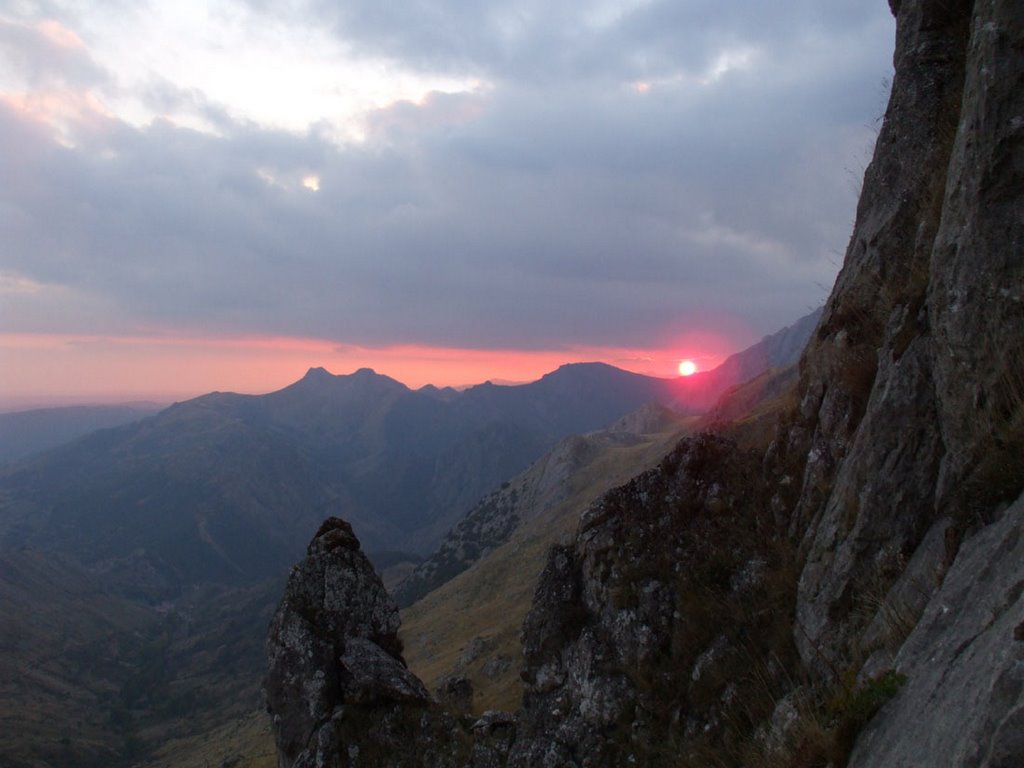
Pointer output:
x,y
471,596
548,483
25,433
89,677
464,606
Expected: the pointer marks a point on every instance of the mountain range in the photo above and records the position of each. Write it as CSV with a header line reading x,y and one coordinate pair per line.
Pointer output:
x,y
157,545
226,487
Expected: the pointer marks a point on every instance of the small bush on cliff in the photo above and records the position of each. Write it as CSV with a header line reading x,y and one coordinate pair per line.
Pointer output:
x,y
853,705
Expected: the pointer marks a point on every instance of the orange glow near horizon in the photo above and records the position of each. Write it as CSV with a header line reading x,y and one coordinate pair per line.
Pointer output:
x,y
37,370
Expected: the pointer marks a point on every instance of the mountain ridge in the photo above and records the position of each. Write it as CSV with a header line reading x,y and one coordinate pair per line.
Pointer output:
x,y
199,473
403,465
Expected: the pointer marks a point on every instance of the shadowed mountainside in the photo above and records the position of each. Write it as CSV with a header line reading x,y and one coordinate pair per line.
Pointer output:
x,y
479,583
225,487
546,485
24,433
90,677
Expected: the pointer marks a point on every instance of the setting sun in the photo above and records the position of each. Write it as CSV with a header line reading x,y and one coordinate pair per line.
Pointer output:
x,y
687,368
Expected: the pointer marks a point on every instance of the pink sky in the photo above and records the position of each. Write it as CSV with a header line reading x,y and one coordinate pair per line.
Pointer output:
x,y
38,370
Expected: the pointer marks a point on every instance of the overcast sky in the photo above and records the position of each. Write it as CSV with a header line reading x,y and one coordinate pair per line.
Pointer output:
x,y
196,193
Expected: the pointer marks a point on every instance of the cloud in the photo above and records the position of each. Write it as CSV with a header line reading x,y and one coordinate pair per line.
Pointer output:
x,y
553,204
46,53
537,41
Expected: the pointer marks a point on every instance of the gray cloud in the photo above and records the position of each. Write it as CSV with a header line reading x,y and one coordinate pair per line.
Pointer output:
x,y
534,40
43,59
559,207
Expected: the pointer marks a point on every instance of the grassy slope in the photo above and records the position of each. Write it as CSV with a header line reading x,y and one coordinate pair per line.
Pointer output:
x,y
749,413
490,600
245,742
60,662
91,678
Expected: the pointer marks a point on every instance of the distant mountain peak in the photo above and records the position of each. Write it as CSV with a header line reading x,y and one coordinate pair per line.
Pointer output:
x,y
591,366
318,374
577,371
446,394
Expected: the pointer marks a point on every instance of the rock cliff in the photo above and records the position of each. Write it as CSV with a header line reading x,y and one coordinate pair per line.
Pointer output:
x,y
910,386
853,594
641,628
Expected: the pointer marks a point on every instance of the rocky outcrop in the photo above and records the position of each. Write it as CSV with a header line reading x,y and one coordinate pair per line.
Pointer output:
x,y
337,689
333,642
738,608
637,627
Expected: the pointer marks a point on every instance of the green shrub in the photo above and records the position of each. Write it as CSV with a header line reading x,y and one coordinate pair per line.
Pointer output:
x,y
854,705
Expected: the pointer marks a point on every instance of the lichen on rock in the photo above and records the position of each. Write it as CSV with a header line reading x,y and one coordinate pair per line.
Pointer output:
x,y
333,643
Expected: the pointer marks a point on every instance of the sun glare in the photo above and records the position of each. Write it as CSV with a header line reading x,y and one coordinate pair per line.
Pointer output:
x,y
687,368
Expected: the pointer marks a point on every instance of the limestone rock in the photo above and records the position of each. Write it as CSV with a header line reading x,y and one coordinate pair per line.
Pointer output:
x,y
977,275
911,387
868,405
963,703
337,688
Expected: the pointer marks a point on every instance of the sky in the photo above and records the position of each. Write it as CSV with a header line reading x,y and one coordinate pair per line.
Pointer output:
x,y
200,196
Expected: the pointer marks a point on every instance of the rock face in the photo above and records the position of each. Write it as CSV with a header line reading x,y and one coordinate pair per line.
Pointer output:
x,y
333,641
964,664
910,391
637,626
337,688
731,608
